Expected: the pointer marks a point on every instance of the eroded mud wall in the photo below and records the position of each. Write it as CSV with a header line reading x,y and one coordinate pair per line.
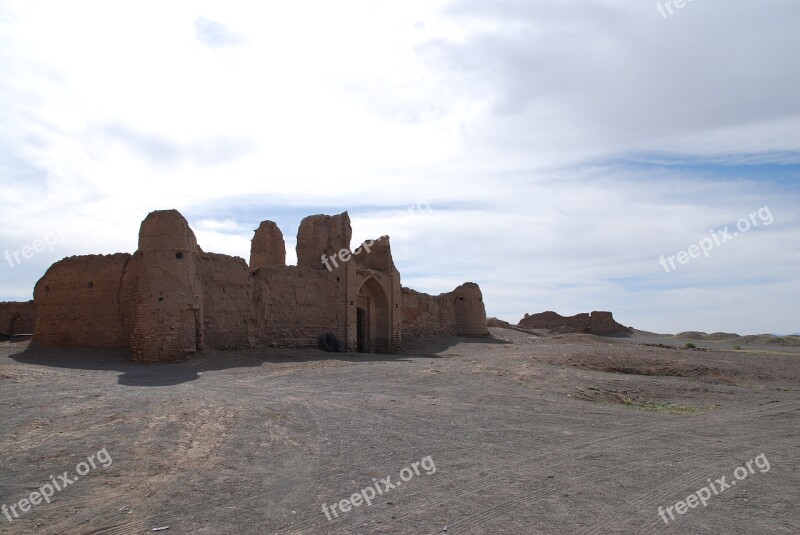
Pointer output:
x,y
167,315
227,301
84,301
17,317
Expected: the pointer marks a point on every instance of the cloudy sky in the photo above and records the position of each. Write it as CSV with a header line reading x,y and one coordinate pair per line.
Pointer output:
x,y
551,151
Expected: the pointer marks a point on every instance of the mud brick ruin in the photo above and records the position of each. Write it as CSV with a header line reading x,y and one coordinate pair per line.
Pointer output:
x,y
171,299
601,323
16,318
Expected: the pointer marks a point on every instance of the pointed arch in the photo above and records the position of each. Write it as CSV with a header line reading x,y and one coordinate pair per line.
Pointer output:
x,y
373,318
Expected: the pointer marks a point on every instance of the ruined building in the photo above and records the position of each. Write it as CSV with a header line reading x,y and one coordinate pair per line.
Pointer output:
x,y
601,323
16,319
170,298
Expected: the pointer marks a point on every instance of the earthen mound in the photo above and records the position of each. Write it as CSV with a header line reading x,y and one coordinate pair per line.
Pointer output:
x,y
692,335
721,336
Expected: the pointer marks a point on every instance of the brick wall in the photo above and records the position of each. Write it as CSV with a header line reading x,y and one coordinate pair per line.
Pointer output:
x,y
425,316
458,313
167,311
293,306
81,301
227,299
17,317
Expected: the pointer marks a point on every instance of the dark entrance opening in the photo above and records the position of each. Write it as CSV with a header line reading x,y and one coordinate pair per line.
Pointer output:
x,y
362,330
375,318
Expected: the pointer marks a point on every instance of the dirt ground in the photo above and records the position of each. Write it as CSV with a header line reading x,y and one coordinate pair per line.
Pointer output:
x,y
526,433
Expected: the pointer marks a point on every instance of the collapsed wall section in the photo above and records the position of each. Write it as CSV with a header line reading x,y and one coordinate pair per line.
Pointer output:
x,y
426,316
82,301
376,255
322,236
598,322
293,306
553,320
227,298
17,317
458,313
268,247
603,323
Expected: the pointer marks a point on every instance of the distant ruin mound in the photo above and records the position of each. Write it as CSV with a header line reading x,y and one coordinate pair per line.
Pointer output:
x,y
692,335
598,322
494,322
770,339
721,336
502,324
750,339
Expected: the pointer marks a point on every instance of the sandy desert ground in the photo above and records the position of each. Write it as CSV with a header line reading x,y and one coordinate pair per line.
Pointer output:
x,y
524,432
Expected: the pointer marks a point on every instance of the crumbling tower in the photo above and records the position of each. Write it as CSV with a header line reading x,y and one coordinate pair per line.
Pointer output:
x,y
322,236
470,311
267,247
167,315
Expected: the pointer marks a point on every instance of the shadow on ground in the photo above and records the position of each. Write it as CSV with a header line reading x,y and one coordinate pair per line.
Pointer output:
x,y
170,374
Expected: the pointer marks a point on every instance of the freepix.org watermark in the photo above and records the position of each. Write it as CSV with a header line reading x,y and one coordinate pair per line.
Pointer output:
x,y
420,207
379,488
716,487
718,237
27,251
344,255
56,484
666,8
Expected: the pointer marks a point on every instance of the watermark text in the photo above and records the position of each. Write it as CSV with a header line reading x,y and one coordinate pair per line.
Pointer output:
x,y
26,252
666,8
714,488
56,484
379,487
718,237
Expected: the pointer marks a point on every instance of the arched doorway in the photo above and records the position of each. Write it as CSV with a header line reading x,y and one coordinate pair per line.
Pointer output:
x,y
373,319
362,324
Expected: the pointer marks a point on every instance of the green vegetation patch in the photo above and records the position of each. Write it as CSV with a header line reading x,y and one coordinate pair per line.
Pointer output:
x,y
664,407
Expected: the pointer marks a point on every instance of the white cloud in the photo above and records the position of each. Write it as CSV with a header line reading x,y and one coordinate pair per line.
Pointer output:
x,y
562,146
